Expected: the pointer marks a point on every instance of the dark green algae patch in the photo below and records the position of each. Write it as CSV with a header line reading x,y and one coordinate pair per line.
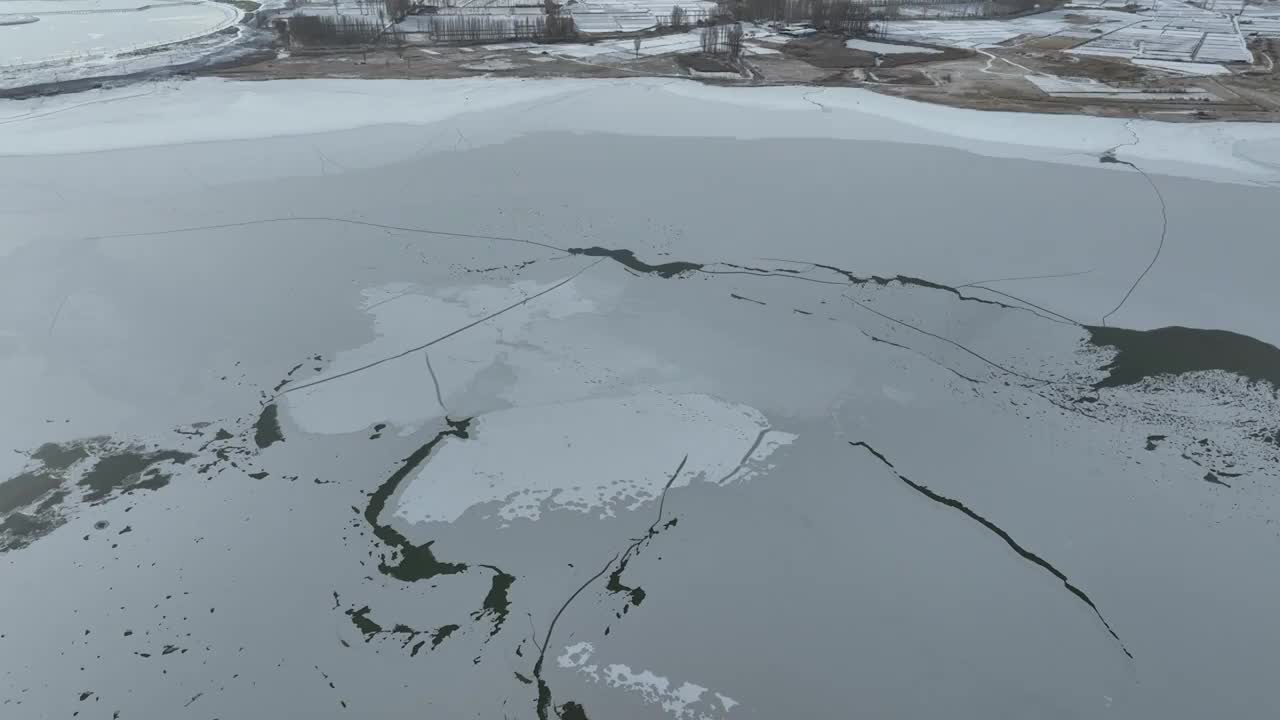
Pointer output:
x,y
417,562
413,563
266,431
1142,354
31,502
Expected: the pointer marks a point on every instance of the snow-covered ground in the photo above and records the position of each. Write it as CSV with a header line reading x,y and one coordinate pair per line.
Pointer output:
x,y
1183,68
1174,30
884,48
483,397
1081,87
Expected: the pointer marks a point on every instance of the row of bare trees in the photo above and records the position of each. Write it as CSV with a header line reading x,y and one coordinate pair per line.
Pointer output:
x,y
332,30
722,40
852,15
383,28
491,28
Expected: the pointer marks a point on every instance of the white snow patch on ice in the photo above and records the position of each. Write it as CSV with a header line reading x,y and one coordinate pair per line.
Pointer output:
x,y
683,701
400,392
592,455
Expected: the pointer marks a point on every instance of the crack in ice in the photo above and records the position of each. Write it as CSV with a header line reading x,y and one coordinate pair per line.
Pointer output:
x,y
999,532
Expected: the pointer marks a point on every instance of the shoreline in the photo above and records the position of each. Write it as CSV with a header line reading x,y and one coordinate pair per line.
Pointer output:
x,y
1241,152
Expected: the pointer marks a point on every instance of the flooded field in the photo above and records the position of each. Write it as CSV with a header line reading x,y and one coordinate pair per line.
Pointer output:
x,y
491,413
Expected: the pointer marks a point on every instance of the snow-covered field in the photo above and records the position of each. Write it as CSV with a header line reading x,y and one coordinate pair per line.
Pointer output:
x,y
547,398
76,31
1172,31
884,48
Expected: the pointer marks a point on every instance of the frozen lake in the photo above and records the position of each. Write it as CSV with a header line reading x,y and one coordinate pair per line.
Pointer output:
x,y
631,399
77,30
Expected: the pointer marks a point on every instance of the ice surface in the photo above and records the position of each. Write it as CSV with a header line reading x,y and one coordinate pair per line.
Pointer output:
x,y
568,456
212,109
915,485
77,30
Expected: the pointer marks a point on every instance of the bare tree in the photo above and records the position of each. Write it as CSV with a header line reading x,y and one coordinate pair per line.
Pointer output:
x,y
733,39
678,17
396,9
710,39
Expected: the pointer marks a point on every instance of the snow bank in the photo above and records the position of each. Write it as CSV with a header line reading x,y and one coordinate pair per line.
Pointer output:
x,y
210,109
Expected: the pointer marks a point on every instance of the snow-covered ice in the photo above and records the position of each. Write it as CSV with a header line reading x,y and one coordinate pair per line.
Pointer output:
x,y
71,31
568,456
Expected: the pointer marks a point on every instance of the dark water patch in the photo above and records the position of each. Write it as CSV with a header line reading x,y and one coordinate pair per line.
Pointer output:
x,y
288,377
367,627
371,628
636,595
1211,478
628,259
101,525
1142,354
798,311
53,501
1153,441
543,704
62,457
259,475
129,469
412,563
497,602
1000,533
266,431
19,529
572,711
416,562
735,296
109,469
54,460
25,488
441,634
